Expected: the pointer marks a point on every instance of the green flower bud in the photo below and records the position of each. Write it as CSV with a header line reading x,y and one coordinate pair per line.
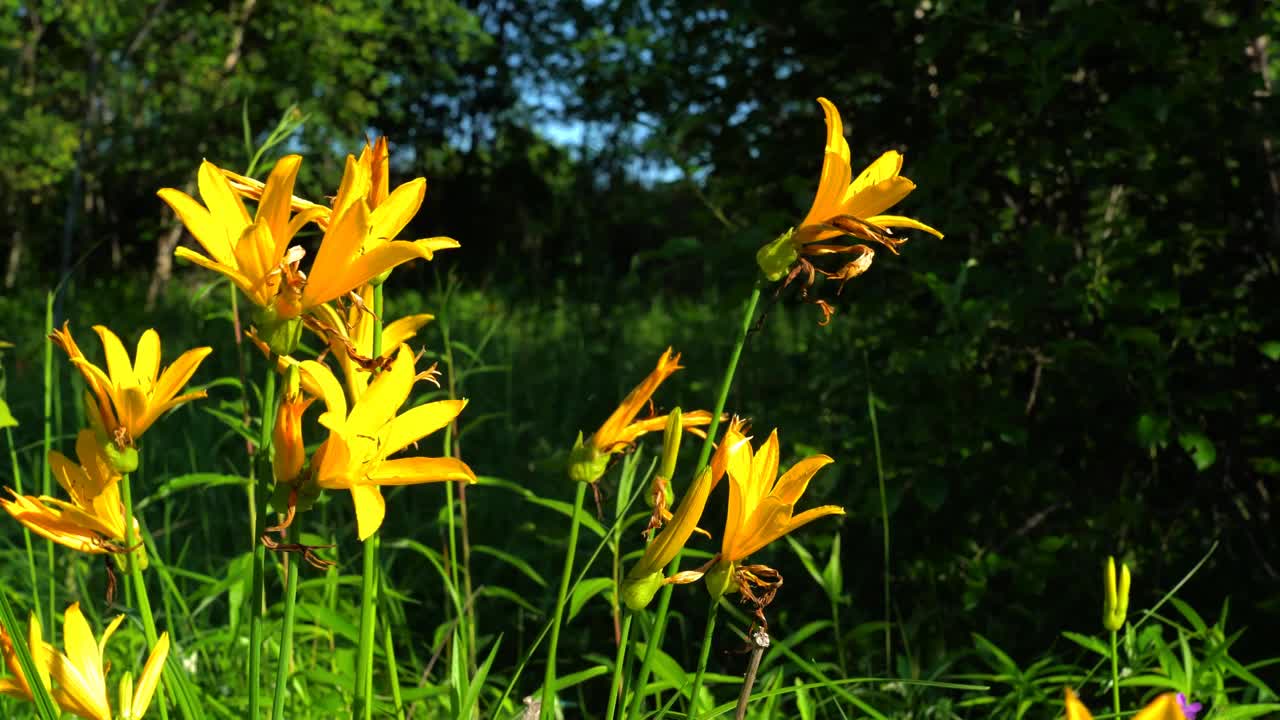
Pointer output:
x,y
720,580
586,464
123,461
776,258
671,445
637,594
280,334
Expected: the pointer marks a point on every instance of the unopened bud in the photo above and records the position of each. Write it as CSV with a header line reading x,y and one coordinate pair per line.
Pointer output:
x,y
1115,604
286,437
671,445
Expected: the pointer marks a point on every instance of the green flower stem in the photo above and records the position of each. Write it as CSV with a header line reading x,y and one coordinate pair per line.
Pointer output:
x,y
369,576
26,533
702,659
140,588
389,649
1115,675
624,643
722,397
549,680
884,539
262,464
452,449
286,630
46,475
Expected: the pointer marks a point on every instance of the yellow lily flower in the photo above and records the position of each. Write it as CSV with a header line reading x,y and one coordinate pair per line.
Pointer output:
x,y
760,503
252,253
350,338
391,211
82,683
1164,707
646,577
355,456
41,655
844,205
588,460
93,522
129,397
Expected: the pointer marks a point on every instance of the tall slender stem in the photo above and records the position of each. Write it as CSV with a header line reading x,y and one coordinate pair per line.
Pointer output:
x,y
26,533
549,679
1115,675
884,523
262,458
452,448
722,397
46,483
702,659
369,575
286,630
389,649
624,644
140,588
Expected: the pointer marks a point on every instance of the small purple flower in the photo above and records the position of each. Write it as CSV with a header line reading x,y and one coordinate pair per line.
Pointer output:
x,y
1189,709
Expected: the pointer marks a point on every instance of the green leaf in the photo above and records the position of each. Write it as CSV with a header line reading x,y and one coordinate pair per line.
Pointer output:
x,y
586,590
1200,448
1089,643
1271,349
6,418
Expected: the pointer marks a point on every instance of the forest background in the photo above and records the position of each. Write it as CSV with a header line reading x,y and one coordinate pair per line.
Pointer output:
x,y
1086,365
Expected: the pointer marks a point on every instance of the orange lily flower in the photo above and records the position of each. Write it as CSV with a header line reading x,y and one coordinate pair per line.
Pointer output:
x,y
350,338
129,396
356,455
761,504
41,654
82,683
252,253
844,205
1164,707
588,460
93,522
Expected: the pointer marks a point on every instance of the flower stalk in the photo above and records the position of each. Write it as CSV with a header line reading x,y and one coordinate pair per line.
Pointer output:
x,y
139,586
702,658
369,573
549,679
256,600
704,455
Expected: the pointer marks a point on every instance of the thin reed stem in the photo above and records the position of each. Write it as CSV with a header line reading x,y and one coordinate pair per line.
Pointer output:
x,y
702,659
884,538
704,455
46,481
17,487
262,458
286,629
452,448
139,586
369,576
389,649
620,659
549,679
